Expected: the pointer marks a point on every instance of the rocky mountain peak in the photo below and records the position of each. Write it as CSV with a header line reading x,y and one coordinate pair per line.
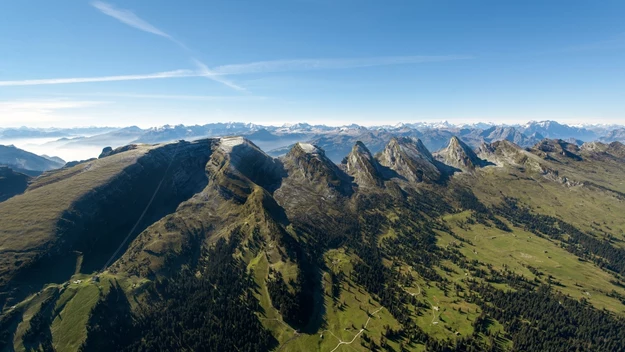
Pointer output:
x,y
410,159
310,163
459,155
307,148
361,165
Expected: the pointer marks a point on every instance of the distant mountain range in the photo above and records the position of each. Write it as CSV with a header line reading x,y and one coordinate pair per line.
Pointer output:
x,y
336,141
26,162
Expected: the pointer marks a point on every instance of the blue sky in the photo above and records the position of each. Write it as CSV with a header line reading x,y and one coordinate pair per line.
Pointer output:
x,y
149,63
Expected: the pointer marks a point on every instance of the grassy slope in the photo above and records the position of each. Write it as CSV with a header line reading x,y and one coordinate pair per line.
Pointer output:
x,y
71,309
589,208
338,321
520,248
30,219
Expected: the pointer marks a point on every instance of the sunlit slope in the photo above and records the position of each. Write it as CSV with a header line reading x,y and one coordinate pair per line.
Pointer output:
x,y
73,219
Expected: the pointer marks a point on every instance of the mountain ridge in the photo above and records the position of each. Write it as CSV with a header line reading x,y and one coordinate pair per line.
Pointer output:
x,y
337,141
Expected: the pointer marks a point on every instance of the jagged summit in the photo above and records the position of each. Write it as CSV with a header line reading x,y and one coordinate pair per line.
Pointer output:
x,y
309,163
361,165
410,159
311,175
309,148
308,151
240,155
460,155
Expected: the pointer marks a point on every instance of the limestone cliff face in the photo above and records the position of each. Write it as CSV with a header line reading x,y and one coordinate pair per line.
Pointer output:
x,y
307,163
410,159
235,158
361,165
316,191
459,155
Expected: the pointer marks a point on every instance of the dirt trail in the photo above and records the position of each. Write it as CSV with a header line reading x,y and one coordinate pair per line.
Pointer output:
x,y
341,342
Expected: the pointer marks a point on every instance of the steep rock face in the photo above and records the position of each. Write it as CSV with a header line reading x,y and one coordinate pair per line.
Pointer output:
x,y
459,155
361,165
239,157
410,159
316,191
12,183
308,162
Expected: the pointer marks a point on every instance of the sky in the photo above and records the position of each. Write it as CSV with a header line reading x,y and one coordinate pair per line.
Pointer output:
x,y
150,63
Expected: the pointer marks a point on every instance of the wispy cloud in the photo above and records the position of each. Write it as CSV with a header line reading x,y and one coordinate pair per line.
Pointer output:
x,y
219,73
204,71
45,105
329,64
177,96
129,18
43,111
158,75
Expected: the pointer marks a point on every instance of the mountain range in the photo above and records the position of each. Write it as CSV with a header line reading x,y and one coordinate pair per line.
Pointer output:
x,y
214,244
336,141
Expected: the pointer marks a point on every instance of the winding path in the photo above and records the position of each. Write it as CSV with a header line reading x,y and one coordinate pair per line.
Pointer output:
x,y
341,342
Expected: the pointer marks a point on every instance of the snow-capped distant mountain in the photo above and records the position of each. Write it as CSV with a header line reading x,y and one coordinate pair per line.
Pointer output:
x,y
553,129
336,140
